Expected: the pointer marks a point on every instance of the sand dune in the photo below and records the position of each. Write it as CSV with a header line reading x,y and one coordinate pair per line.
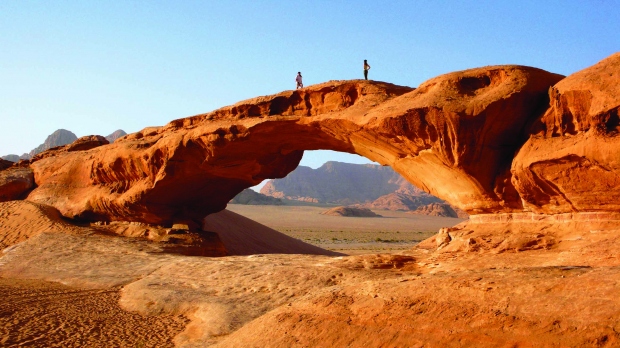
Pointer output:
x,y
243,236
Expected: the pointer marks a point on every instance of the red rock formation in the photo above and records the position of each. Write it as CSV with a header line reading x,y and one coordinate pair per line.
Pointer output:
x,y
5,164
454,136
436,209
15,182
87,142
570,162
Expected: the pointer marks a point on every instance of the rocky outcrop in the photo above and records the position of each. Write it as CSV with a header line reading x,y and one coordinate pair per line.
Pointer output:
x,y
119,133
82,144
4,164
87,142
454,137
15,182
570,162
350,212
436,209
401,200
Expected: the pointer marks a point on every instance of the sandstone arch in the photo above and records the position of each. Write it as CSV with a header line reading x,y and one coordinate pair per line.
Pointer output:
x,y
454,136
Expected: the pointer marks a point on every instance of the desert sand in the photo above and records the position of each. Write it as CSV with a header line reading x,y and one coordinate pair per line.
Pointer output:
x,y
91,289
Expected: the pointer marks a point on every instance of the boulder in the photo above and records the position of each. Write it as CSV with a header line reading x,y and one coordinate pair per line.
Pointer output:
x,y
15,182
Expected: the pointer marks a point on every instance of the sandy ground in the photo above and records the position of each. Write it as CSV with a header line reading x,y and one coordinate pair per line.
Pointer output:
x,y
36,313
395,231
499,284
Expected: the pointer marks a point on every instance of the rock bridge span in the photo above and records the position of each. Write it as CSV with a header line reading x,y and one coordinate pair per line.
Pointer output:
x,y
455,136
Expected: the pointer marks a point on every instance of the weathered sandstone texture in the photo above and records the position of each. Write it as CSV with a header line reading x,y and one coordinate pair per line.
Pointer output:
x,y
15,183
571,161
454,136
559,292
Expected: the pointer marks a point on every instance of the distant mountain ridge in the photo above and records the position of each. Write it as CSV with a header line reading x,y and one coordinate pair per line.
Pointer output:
x,y
360,185
337,183
119,133
60,137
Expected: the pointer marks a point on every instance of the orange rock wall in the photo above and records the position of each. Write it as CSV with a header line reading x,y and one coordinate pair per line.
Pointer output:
x,y
570,162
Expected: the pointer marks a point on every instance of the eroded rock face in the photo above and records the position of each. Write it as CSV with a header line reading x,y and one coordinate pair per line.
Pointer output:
x,y
87,142
454,136
571,163
15,183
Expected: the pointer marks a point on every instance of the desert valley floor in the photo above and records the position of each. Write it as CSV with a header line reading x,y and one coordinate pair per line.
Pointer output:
x,y
392,232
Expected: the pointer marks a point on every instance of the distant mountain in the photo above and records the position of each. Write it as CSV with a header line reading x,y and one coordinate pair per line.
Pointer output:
x,y
115,135
337,183
251,197
58,138
12,158
360,185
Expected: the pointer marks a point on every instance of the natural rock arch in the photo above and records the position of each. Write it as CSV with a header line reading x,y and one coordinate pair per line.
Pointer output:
x,y
455,136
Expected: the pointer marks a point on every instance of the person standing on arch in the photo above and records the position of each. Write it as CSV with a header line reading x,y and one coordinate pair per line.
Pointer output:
x,y
300,84
366,68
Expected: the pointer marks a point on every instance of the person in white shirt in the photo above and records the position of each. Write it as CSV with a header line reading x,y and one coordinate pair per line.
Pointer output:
x,y
366,68
298,79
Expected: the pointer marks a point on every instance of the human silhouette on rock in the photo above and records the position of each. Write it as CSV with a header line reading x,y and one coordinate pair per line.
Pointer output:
x,y
300,84
366,68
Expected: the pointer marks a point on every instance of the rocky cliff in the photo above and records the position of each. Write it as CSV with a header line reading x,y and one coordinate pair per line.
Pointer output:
x,y
570,162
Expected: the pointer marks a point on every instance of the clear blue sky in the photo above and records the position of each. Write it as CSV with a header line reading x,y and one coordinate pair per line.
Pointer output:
x,y
96,66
